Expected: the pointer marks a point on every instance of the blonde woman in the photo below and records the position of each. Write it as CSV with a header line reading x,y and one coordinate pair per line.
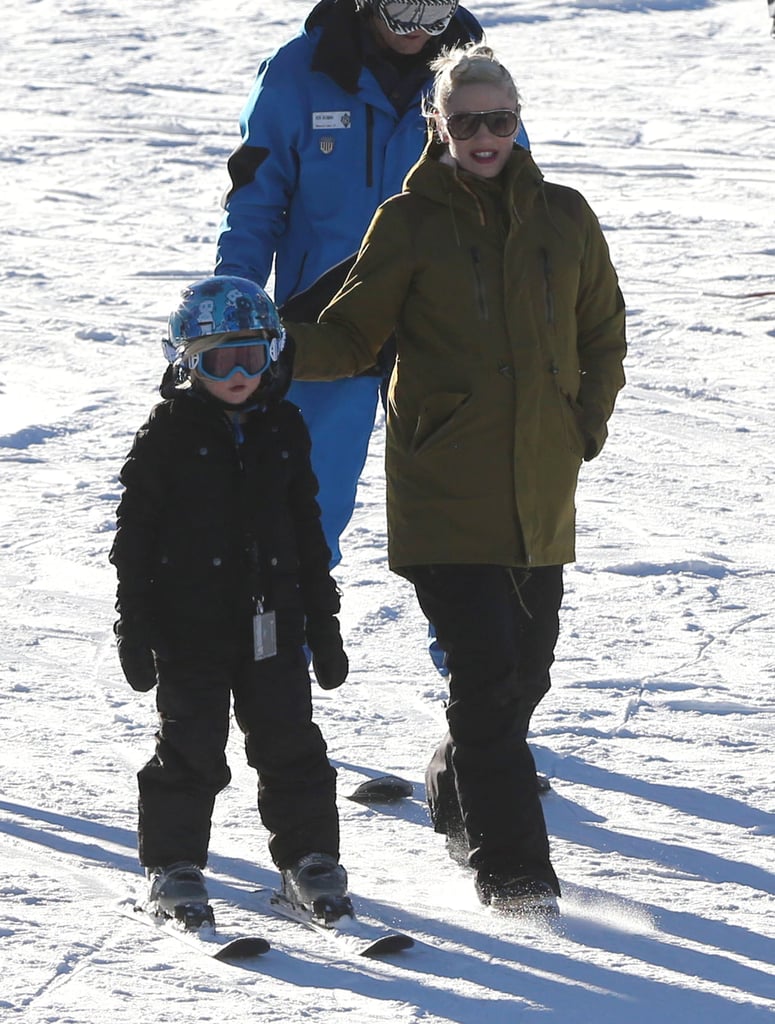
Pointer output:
x,y
510,332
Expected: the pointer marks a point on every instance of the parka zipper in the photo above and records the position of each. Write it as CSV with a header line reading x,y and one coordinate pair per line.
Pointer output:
x,y
256,576
548,286
481,296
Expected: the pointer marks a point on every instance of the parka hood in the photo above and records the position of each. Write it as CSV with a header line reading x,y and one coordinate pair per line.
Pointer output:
x,y
431,177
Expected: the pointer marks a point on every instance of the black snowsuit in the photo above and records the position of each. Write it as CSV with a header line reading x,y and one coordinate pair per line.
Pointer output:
x,y
217,519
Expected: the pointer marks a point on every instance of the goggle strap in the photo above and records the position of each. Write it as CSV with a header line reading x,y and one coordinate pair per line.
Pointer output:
x,y
169,350
276,345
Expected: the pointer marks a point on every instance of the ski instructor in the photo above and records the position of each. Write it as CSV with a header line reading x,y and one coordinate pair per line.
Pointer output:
x,y
332,126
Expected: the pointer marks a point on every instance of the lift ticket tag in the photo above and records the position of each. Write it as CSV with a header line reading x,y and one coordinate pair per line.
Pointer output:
x,y
264,636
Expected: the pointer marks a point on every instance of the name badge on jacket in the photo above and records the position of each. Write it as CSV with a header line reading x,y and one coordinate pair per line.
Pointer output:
x,y
329,120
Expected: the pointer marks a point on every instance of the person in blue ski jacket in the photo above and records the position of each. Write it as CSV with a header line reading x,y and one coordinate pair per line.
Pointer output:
x,y
331,128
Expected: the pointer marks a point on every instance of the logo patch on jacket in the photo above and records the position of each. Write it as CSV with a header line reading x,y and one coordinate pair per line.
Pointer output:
x,y
328,120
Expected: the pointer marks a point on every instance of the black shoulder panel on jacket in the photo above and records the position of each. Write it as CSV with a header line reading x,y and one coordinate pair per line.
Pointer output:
x,y
242,166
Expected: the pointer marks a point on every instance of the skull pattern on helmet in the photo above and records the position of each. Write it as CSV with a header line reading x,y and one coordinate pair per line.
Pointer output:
x,y
214,310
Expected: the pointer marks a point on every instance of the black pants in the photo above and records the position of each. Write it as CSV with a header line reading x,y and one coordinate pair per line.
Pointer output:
x,y
273,708
499,627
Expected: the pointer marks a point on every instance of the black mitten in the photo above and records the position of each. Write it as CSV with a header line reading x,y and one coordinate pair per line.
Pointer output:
x,y
136,657
329,661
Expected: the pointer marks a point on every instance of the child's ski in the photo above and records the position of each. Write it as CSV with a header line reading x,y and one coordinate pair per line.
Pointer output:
x,y
353,934
204,940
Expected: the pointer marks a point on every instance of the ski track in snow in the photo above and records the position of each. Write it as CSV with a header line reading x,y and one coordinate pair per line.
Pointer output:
x,y
659,732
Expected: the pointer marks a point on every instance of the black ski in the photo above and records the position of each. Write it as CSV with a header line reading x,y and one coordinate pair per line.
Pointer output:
x,y
205,939
353,934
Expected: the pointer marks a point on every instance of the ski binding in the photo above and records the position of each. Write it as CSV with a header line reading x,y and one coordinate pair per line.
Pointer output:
x,y
195,927
355,935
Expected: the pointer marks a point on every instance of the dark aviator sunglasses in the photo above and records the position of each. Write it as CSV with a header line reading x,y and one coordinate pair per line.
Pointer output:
x,y
502,123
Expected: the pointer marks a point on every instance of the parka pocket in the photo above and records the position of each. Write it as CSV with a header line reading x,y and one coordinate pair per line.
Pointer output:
x,y
571,413
436,419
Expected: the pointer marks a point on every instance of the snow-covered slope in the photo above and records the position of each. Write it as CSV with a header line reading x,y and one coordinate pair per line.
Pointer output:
x,y
116,121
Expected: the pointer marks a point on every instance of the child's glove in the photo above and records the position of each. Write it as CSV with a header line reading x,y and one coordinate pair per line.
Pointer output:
x,y
136,657
329,661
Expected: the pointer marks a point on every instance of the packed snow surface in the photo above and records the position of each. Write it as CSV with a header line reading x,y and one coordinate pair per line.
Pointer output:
x,y
116,120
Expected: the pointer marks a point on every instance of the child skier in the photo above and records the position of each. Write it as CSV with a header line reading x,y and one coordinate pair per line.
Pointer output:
x,y
222,578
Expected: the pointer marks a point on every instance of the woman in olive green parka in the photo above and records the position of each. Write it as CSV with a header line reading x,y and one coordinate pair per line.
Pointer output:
x,y
509,325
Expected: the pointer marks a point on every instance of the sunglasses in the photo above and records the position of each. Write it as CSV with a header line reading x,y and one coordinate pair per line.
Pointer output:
x,y
402,18
245,356
499,122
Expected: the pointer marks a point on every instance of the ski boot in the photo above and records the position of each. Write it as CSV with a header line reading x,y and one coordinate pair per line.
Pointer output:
x,y
179,892
517,896
318,884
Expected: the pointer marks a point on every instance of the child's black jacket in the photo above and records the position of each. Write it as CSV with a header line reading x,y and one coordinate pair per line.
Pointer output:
x,y
208,526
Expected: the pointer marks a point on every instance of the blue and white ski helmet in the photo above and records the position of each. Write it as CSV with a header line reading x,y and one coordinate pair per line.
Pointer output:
x,y
218,309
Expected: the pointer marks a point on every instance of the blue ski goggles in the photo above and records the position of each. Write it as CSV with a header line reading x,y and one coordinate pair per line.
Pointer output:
x,y
248,356
403,17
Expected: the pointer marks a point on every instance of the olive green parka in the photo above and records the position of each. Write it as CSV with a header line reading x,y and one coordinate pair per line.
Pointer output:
x,y
509,326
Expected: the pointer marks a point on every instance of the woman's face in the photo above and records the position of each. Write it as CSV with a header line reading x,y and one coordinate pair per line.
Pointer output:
x,y
484,153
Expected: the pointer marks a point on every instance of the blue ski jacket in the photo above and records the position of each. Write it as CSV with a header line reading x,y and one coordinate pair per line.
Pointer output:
x,y
322,146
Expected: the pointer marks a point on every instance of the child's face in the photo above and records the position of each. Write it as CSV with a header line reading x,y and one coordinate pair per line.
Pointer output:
x,y
232,371
234,391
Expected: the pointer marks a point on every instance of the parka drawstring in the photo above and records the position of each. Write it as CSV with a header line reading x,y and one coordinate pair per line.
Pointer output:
x,y
518,592
451,205
479,205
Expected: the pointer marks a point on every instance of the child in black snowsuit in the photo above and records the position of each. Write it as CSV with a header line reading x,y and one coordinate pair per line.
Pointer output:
x,y
222,579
